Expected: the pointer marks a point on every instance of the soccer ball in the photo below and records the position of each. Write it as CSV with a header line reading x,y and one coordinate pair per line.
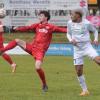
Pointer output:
x,y
2,13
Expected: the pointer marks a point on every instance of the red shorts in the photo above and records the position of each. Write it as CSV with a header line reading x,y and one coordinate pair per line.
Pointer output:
x,y
35,52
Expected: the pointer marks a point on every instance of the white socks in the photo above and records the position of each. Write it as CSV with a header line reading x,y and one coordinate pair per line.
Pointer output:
x,y
81,80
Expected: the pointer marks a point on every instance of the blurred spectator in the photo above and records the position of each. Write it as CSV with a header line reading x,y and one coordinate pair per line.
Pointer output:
x,y
97,13
91,11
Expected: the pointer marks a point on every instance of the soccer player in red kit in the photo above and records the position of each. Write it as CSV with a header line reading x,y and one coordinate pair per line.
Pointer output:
x,y
38,47
4,55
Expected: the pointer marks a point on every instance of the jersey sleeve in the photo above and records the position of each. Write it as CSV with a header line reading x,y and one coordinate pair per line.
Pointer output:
x,y
69,34
94,30
26,28
59,29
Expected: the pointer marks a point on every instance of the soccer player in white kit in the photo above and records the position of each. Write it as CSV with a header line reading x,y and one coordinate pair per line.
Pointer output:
x,y
78,35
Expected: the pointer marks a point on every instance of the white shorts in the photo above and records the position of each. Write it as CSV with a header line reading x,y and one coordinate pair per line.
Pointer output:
x,y
81,50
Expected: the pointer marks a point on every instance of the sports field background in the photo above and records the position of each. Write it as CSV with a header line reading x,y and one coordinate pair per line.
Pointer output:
x,y
61,78
60,74
57,37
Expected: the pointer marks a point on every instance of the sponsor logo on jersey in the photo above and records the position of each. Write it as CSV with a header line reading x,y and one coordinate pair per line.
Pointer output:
x,y
43,30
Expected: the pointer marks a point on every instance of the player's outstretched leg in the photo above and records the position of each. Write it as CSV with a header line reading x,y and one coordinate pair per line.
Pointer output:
x,y
81,79
9,60
13,44
10,45
41,75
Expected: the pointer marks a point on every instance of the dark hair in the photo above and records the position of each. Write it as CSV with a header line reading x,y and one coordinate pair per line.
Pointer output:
x,y
79,13
46,14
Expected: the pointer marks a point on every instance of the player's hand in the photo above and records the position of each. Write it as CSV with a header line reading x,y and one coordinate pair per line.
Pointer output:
x,y
73,41
15,28
95,42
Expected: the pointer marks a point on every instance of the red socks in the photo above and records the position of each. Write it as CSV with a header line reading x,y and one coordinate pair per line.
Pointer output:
x,y
7,58
41,75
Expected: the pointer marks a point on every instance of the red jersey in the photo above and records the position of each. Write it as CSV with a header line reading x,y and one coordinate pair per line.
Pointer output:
x,y
43,34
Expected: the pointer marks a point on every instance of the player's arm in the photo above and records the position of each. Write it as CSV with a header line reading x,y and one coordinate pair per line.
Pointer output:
x,y
59,29
25,28
1,28
69,35
94,30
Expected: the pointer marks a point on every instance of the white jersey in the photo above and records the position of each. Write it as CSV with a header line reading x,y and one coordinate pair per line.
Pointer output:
x,y
80,31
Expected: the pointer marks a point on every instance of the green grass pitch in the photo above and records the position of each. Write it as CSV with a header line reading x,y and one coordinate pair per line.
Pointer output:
x,y
60,75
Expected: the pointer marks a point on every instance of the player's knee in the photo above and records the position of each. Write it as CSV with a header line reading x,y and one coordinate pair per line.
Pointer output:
x,y
79,72
17,40
38,64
